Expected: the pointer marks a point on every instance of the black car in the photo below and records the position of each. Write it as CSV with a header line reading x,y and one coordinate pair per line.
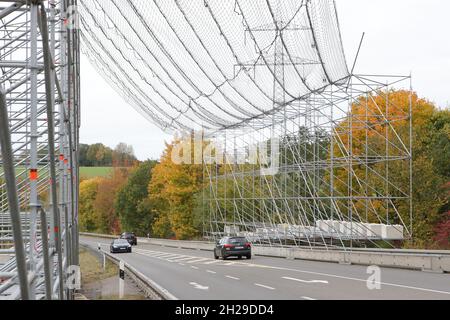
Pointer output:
x,y
233,247
120,245
130,237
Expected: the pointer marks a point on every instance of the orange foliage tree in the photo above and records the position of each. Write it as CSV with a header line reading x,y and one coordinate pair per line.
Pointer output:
x,y
378,127
172,192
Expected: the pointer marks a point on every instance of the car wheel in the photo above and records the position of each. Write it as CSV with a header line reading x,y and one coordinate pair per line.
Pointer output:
x,y
215,255
224,257
249,256
240,257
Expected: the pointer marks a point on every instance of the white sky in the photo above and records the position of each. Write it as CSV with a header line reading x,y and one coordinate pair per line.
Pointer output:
x,y
402,36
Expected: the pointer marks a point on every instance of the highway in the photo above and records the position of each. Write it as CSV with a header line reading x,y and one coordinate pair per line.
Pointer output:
x,y
195,275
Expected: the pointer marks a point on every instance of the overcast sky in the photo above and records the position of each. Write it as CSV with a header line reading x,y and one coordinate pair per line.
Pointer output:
x,y
402,36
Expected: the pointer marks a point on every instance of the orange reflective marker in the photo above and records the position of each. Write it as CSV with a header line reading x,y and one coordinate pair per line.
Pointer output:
x,y
33,174
61,157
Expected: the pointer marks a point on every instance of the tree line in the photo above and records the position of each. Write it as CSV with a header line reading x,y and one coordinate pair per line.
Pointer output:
x,y
99,155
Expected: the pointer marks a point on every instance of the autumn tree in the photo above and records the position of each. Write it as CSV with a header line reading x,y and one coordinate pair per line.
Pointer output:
x,y
378,124
106,217
172,191
88,194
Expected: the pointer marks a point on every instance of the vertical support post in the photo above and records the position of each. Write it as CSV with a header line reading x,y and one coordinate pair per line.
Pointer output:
x,y
13,202
386,191
34,205
350,166
49,89
53,218
47,273
63,131
121,279
411,160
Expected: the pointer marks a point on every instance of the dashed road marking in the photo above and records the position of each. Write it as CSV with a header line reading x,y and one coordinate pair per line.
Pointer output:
x,y
264,286
305,281
198,286
234,278
180,259
198,260
211,262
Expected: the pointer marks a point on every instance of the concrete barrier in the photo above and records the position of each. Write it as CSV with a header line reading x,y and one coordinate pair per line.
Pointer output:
x,y
431,261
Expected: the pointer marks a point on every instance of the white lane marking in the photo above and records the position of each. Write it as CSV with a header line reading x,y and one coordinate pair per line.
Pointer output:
x,y
210,271
305,281
198,286
157,256
151,253
308,298
354,279
211,262
263,286
194,267
182,259
229,263
168,256
181,264
234,278
198,260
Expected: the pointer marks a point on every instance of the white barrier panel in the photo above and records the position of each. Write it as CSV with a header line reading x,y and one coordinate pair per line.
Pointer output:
x,y
336,227
392,232
375,230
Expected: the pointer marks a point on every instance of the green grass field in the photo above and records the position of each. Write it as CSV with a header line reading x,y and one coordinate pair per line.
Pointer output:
x,y
93,172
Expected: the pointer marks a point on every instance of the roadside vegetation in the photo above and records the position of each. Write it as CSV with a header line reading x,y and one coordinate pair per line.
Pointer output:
x,y
98,283
163,199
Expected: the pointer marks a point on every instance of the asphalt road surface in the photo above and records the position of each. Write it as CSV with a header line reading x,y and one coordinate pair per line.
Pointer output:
x,y
195,275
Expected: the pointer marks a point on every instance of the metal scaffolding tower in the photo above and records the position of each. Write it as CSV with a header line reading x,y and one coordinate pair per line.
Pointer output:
x,y
39,125
335,181
266,75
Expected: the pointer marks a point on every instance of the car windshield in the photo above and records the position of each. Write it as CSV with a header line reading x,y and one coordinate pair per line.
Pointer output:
x,y
120,241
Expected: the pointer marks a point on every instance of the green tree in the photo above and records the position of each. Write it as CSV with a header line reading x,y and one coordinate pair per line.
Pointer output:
x,y
132,205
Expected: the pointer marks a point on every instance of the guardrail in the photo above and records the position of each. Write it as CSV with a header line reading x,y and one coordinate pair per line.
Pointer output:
x,y
430,261
151,289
